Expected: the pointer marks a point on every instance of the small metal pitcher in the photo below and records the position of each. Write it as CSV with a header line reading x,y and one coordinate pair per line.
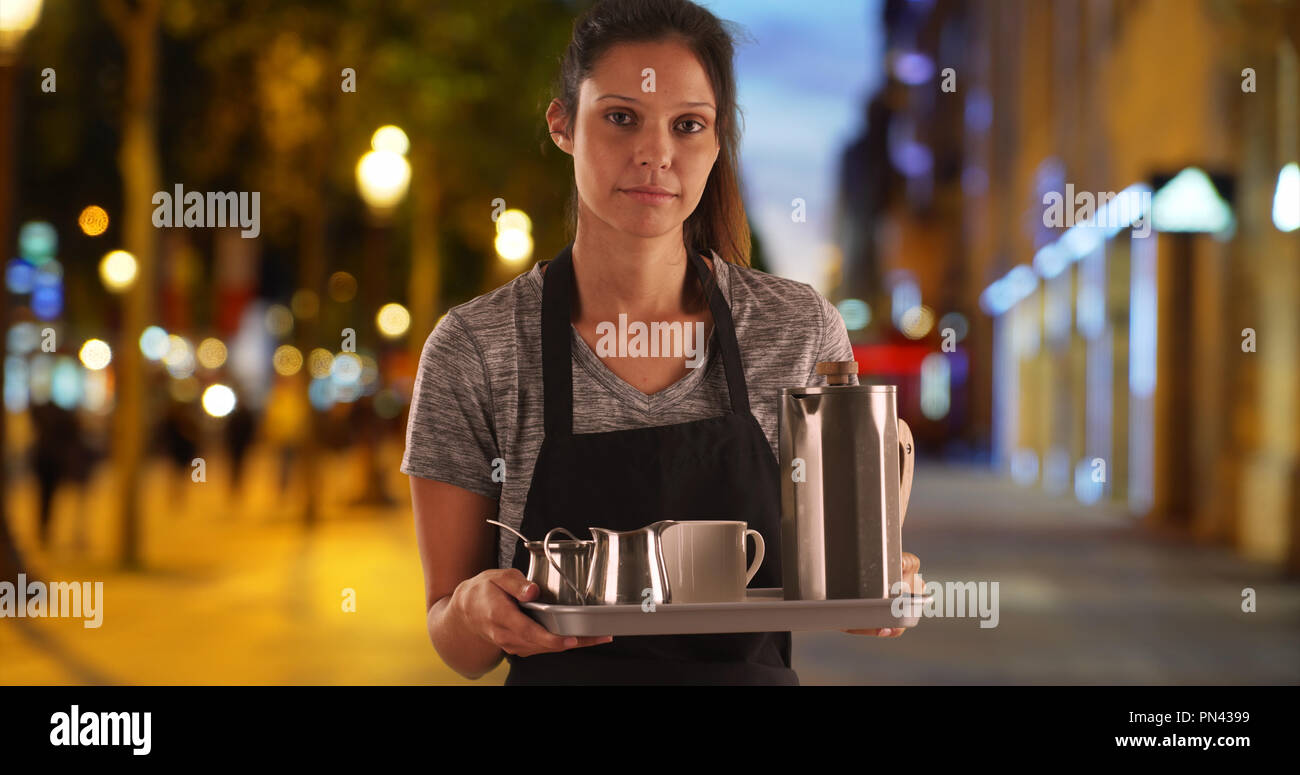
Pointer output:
x,y
552,563
627,567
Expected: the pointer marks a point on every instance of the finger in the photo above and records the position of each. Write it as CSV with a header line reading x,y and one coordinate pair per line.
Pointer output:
x,y
516,585
862,632
911,563
897,631
520,627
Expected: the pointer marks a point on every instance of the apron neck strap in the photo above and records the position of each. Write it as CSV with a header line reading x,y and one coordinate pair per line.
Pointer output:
x,y
557,354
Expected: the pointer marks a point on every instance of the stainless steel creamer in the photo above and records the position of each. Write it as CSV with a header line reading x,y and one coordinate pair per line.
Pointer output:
x,y
846,475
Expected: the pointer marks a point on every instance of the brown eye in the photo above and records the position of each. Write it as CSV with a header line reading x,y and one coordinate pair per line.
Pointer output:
x,y
693,121
618,113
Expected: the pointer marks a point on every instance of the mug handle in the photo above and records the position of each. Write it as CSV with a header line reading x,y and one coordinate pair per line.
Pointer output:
x,y
907,456
546,545
758,555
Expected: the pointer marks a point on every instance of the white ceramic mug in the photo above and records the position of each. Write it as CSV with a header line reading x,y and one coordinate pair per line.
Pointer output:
x,y
705,560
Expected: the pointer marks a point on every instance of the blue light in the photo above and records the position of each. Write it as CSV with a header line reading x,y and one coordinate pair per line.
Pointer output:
x,y
37,242
47,301
913,68
19,276
856,314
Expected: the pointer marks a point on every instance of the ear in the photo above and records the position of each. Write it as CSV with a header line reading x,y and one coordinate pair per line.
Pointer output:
x,y
557,120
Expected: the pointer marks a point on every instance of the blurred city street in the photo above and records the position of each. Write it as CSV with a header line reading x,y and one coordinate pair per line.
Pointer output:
x,y
239,594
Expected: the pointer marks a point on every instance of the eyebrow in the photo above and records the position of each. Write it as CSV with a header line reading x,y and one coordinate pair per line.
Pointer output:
x,y
633,99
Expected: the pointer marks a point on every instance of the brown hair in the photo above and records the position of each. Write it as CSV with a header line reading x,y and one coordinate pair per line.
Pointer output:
x,y
719,221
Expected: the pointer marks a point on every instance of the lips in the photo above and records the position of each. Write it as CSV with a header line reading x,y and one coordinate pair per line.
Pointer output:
x,y
651,195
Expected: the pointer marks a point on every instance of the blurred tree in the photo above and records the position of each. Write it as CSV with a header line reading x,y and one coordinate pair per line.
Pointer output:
x,y
137,29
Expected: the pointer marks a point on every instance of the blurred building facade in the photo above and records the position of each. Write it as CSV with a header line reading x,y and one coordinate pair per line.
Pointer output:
x,y
1160,371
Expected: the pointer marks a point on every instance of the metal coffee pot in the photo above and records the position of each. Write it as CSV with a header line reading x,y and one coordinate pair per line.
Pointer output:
x,y
626,567
846,476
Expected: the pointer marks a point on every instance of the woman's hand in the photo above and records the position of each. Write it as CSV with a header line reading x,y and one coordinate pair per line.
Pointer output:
x,y
486,605
911,567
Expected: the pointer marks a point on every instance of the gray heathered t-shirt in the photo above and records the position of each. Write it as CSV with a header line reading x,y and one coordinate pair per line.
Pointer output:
x,y
478,391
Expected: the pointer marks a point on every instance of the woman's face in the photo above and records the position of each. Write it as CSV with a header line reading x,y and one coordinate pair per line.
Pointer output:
x,y
646,118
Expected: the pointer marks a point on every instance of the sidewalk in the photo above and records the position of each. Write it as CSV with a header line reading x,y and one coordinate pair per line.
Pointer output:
x,y
235,593
1085,598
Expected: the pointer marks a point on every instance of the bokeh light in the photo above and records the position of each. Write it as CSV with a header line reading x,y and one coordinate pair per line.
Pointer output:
x,y
393,320
20,276
916,322
93,221
514,245
23,338
118,270
514,219
180,357
346,369
211,353
287,360
320,362
218,400
279,320
37,242
96,354
342,286
390,138
383,178
154,343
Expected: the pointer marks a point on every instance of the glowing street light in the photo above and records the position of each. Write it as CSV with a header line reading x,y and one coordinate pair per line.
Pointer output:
x,y
384,174
1286,200
118,270
95,354
393,320
16,18
218,400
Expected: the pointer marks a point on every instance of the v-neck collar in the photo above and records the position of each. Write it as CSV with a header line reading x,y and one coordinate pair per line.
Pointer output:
x,y
629,394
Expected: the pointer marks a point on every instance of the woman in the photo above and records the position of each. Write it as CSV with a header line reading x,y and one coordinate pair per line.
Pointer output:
x,y
522,412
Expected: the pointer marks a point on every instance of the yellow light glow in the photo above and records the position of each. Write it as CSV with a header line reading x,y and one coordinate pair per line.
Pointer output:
x,y
319,362
287,360
95,354
218,400
382,178
514,245
279,320
16,18
93,220
393,320
118,270
390,138
178,350
342,286
514,219
917,322
211,353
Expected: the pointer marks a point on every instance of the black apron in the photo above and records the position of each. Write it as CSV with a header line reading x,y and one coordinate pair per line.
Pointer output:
x,y
717,468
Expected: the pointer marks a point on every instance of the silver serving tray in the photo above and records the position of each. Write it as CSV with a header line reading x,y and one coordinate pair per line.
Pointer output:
x,y
764,610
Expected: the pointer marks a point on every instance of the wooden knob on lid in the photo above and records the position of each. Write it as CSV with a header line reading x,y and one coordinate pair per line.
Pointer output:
x,y
837,372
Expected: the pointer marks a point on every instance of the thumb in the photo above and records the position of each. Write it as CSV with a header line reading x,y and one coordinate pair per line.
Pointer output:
x,y
518,586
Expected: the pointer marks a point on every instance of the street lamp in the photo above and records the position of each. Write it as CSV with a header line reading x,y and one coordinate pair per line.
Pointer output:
x,y
384,174
16,18
383,178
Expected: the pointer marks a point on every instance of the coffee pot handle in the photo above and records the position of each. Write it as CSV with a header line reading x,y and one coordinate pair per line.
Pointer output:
x,y
907,458
546,546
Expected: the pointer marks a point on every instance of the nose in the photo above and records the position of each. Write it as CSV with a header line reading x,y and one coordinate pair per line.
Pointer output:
x,y
654,149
